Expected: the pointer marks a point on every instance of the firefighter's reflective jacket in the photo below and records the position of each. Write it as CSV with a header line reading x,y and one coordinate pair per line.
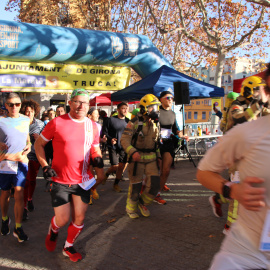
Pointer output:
x,y
141,135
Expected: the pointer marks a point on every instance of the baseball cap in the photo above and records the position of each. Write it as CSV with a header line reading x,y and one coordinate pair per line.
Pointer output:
x,y
79,92
164,93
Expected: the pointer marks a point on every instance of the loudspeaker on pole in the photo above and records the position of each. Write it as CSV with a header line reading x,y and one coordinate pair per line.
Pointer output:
x,y
181,93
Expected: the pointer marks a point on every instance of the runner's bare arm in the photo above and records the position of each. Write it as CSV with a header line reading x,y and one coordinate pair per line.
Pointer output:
x,y
96,152
40,152
27,148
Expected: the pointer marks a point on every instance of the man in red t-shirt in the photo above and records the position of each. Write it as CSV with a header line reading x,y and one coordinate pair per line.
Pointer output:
x,y
75,140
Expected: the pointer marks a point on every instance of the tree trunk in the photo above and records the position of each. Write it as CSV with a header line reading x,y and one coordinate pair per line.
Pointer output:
x,y
219,68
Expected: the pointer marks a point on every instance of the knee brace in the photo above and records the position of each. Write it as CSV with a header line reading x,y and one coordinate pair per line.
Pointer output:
x,y
136,189
155,185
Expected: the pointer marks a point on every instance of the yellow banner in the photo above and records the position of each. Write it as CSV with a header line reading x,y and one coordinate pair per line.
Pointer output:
x,y
217,102
43,77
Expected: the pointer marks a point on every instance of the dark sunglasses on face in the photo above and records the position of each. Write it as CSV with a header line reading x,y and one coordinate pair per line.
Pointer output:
x,y
169,98
11,105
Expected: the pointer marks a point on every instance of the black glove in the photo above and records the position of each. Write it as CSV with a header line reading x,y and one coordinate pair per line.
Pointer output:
x,y
48,172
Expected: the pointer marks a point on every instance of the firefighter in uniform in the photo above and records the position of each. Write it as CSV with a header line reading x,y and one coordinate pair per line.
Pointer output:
x,y
250,105
140,140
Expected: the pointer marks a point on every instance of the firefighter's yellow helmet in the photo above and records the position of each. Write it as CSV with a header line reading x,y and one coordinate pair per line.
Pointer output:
x,y
249,85
147,101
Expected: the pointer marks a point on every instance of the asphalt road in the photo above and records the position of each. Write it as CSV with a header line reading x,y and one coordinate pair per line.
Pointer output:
x,y
184,234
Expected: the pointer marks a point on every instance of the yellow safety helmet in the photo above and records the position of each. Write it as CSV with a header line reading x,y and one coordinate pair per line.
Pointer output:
x,y
147,101
249,85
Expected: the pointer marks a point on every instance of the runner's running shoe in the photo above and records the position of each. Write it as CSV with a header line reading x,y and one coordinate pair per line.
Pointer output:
x,y
95,194
117,188
159,200
216,207
144,211
51,239
73,255
166,188
5,227
20,235
133,215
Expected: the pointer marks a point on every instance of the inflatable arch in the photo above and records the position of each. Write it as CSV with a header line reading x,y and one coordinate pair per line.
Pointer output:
x,y
44,43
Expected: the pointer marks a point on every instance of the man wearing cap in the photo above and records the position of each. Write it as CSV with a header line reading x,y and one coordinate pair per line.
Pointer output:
x,y
75,140
168,129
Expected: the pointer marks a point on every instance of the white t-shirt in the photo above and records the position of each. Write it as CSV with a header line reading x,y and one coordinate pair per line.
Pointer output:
x,y
247,146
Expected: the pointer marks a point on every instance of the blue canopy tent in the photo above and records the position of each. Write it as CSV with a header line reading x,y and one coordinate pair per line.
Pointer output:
x,y
161,80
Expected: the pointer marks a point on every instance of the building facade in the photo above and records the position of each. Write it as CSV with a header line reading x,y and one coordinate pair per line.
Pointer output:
x,y
200,110
234,68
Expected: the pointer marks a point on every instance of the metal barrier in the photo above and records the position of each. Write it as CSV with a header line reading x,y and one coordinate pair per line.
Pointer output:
x,y
203,128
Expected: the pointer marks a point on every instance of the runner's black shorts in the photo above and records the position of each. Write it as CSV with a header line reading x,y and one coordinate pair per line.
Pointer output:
x,y
117,156
167,146
61,194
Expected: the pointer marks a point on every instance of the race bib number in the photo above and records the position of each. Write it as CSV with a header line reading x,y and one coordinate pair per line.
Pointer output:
x,y
235,177
86,185
165,133
9,167
265,237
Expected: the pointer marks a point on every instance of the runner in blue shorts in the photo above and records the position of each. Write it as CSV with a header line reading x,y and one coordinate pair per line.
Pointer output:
x,y
14,147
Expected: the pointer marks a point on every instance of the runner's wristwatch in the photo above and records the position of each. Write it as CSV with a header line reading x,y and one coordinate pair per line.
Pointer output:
x,y
226,190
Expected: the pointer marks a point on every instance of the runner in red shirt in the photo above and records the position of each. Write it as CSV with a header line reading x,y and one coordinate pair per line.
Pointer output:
x,y
75,140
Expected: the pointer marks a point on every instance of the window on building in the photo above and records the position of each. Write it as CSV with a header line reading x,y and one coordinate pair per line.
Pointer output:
x,y
189,115
205,102
185,116
222,79
229,79
195,115
212,78
197,102
209,102
203,115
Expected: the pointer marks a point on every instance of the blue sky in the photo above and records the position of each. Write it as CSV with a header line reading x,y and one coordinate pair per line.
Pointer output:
x,y
10,16
6,15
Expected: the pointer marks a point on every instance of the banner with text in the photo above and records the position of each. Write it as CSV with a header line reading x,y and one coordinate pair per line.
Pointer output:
x,y
46,77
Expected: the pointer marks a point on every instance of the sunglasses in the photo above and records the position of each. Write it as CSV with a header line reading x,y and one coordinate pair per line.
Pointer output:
x,y
169,98
11,105
80,103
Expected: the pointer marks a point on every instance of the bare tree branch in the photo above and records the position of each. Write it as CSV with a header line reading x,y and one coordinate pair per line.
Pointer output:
x,y
265,3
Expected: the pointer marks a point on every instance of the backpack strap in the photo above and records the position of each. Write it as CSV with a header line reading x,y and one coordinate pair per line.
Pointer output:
x,y
138,130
